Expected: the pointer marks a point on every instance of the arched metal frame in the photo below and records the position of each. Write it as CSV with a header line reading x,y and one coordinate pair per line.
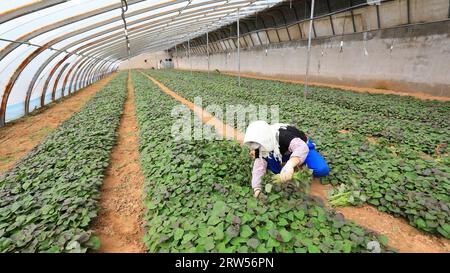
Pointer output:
x,y
289,14
171,22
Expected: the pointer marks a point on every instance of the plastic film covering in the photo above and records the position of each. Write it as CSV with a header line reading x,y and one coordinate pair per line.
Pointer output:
x,y
50,49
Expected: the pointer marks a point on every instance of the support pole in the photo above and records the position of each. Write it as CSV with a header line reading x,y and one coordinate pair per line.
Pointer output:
x,y
189,54
408,11
176,53
308,57
207,49
238,50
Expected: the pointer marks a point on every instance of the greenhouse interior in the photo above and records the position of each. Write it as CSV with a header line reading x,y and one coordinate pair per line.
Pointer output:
x,y
225,126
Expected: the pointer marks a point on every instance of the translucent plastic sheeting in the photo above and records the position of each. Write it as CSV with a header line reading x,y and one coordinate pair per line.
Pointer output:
x,y
22,25
94,29
15,106
7,6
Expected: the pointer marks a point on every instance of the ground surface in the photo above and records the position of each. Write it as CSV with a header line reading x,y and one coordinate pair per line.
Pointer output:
x,y
401,235
21,136
119,224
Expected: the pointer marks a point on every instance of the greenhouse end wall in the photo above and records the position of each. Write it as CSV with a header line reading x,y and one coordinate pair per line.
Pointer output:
x,y
410,59
146,61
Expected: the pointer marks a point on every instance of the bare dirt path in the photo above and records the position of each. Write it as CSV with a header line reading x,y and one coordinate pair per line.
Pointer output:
x,y
401,235
221,128
20,137
119,224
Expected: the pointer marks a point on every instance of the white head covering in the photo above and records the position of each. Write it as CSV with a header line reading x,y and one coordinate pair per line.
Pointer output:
x,y
260,135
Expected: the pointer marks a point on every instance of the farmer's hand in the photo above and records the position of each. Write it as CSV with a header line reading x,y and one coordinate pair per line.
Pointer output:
x,y
288,170
256,192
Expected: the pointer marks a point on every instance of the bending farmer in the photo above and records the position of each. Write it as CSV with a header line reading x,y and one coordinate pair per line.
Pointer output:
x,y
281,143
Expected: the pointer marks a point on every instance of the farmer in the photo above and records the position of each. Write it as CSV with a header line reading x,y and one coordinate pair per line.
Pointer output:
x,y
279,143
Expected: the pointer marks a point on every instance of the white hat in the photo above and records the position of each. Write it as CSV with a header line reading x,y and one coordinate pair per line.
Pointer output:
x,y
260,135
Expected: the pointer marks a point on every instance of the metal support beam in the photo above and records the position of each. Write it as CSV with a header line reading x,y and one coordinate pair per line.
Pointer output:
x,y
90,73
66,79
331,18
28,9
76,74
408,11
378,16
311,6
54,69
189,54
238,50
98,72
207,50
55,85
176,53
308,57
85,73
353,16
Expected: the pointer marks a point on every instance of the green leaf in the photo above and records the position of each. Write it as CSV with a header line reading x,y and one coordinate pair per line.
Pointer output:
x,y
246,231
94,243
272,243
187,238
209,244
73,246
282,222
300,214
238,240
213,220
219,207
383,240
203,232
300,250
313,249
347,246
178,234
420,223
263,234
243,249
253,243
232,232
285,235
54,249
218,232
262,249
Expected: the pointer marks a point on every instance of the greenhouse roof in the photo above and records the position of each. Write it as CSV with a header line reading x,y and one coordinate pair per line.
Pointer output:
x,y
152,25
36,37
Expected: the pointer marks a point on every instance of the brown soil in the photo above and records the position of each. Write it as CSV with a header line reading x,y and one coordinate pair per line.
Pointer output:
x,y
119,224
19,137
372,140
401,235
